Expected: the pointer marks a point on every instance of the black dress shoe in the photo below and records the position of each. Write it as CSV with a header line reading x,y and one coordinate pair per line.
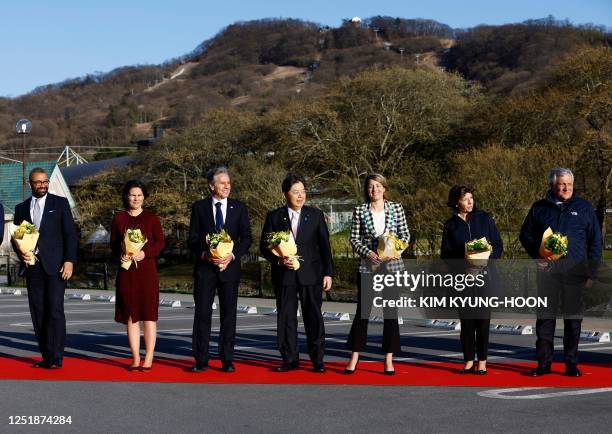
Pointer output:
x,y
42,364
466,371
199,367
539,371
228,367
286,367
481,372
572,371
389,372
319,368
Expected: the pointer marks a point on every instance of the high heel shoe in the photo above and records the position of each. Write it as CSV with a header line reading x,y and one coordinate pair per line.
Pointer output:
x,y
470,370
133,368
388,371
146,368
348,371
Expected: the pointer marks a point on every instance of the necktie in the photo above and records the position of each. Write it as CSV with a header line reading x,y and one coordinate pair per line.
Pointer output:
x,y
218,217
36,214
295,218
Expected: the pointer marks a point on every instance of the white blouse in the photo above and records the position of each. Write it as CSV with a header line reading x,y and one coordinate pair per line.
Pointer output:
x,y
379,221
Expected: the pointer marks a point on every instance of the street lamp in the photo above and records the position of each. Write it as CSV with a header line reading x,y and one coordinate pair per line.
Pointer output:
x,y
23,127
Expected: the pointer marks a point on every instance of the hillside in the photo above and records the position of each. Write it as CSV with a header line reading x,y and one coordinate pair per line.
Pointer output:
x,y
259,65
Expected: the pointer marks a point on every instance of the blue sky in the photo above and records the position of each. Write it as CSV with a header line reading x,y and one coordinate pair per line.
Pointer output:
x,y
46,42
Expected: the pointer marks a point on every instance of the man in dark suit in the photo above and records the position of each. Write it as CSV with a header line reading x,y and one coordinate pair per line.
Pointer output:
x,y
209,216
309,230
56,254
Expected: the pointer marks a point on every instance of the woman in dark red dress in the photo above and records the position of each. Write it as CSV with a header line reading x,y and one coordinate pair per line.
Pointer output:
x,y
138,287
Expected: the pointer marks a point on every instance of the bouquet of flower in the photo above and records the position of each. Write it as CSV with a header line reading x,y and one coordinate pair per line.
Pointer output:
x,y
477,252
553,246
25,237
283,245
390,246
220,245
133,242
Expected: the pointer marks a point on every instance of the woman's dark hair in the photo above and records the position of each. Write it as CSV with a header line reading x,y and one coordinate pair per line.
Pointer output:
x,y
378,178
290,179
133,183
456,192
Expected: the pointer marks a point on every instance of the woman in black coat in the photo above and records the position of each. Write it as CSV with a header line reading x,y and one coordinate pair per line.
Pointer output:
x,y
467,224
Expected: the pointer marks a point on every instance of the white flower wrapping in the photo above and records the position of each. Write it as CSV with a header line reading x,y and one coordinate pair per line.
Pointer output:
x,y
131,247
25,237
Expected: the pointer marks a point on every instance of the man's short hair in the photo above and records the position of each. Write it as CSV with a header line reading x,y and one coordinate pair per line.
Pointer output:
x,y
556,172
290,179
37,170
218,170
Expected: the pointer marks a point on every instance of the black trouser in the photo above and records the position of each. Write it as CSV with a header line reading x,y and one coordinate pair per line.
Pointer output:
x,y
359,330
475,338
204,296
46,300
545,332
564,294
311,299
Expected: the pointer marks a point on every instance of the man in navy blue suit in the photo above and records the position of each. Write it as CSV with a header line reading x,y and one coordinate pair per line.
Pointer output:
x,y
55,254
308,228
209,216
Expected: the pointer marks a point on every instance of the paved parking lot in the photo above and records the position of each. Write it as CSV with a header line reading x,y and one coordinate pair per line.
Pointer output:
x,y
100,406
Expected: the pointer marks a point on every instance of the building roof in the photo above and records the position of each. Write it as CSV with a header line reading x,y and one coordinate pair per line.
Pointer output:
x,y
75,174
11,181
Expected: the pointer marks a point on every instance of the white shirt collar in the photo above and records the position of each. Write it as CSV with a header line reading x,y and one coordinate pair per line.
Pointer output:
x,y
223,201
292,211
41,200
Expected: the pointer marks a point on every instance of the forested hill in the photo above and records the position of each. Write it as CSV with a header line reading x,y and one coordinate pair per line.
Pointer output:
x,y
260,65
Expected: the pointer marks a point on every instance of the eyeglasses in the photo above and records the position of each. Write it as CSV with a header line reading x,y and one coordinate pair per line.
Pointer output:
x,y
39,183
297,191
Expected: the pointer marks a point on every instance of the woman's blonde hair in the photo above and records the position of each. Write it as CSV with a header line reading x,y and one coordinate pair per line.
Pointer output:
x,y
378,178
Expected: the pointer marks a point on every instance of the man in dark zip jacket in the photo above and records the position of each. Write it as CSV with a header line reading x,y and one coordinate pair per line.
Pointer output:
x,y
575,218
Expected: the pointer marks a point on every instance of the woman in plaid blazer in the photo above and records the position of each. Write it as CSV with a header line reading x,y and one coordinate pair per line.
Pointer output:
x,y
370,220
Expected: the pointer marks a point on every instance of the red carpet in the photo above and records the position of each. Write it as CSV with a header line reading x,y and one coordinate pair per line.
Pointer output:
x,y
259,372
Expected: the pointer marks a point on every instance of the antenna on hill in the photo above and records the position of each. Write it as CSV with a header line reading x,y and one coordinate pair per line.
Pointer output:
x,y
68,157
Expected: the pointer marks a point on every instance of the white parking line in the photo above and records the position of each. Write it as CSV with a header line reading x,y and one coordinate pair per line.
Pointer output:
x,y
161,318
65,312
493,351
501,393
93,304
432,334
251,327
598,348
